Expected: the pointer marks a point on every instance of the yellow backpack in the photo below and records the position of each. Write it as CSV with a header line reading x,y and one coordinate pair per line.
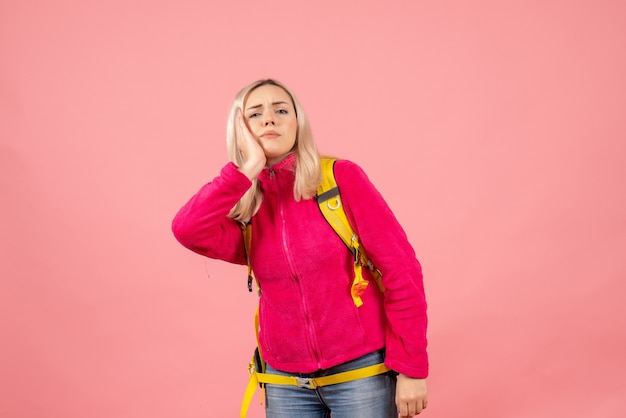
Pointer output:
x,y
329,200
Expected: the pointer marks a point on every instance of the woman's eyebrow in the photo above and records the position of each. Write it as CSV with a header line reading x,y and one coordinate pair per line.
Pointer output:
x,y
259,105
254,107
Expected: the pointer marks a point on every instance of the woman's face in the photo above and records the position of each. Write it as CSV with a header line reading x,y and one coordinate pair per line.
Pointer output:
x,y
271,117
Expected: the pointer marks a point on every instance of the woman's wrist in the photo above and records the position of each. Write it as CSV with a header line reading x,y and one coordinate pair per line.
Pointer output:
x,y
252,169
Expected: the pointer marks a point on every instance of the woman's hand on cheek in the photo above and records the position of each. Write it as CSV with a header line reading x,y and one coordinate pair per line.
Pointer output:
x,y
253,155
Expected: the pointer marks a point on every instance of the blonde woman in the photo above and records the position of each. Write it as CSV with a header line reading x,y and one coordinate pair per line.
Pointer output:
x,y
310,326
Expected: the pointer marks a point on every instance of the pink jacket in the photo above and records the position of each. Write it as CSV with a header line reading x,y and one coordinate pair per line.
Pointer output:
x,y
308,318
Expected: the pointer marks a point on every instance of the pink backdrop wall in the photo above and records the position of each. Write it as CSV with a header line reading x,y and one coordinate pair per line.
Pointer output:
x,y
495,130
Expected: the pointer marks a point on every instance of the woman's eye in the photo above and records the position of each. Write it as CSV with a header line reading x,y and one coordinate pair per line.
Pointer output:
x,y
253,115
282,111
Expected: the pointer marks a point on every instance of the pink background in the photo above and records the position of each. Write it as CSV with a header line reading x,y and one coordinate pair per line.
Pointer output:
x,y
494,129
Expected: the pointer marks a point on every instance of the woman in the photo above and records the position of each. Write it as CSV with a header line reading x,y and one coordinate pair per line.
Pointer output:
x,y
310,326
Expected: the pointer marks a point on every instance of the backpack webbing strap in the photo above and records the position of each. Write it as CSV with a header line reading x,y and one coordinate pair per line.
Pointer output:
x,y
246,230
329,201
257,378
255,364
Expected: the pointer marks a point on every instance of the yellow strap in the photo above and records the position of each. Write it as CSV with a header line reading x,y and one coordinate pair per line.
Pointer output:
x,y
308,383
314,382
332,208
246,229
329,201
257,324
247,397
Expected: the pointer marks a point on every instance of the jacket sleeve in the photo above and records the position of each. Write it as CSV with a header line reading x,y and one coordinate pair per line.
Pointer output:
x,y
202,224
387,246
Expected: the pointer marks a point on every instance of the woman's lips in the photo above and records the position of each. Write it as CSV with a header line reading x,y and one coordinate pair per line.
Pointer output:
x,y
270,134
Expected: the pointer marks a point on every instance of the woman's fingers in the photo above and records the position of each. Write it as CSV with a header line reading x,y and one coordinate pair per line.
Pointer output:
x,y
252,154
408,410
411,396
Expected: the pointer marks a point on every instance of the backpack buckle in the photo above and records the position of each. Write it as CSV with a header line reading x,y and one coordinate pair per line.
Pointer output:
x,y
305,382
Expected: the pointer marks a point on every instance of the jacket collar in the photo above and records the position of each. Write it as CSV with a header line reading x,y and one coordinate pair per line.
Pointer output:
x,y
287,164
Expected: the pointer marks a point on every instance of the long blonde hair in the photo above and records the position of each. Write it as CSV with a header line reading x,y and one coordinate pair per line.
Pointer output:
x,y
308,171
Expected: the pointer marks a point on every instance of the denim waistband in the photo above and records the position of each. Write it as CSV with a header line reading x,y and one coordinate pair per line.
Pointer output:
x,y
370,359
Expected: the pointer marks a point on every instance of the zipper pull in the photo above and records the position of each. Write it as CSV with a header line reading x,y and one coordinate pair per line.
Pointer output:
x,y
272,174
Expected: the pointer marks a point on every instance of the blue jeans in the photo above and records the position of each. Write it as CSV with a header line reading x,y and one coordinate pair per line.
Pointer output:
x,y
371,397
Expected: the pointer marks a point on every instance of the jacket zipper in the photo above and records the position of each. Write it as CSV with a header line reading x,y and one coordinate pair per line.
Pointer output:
x,y
307,316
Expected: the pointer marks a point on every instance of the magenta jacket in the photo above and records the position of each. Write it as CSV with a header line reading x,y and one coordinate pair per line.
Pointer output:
x,y
308,318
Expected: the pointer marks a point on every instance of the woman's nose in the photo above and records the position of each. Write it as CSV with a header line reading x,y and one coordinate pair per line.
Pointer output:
x,y
268,119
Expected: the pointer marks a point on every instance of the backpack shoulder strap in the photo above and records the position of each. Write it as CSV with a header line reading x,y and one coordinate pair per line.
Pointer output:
x,y
329,201
331,206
